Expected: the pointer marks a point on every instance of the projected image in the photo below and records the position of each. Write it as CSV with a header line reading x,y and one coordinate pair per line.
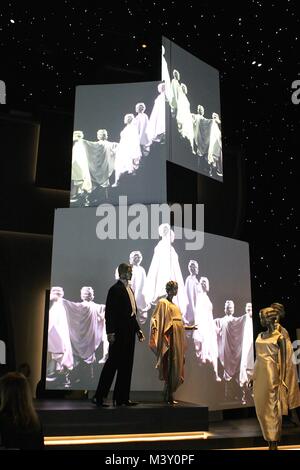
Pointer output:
x,y
193,97
118,144
213,294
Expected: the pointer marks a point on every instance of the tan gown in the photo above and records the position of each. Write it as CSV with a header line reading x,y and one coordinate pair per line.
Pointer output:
x,y
291,376
269,391
167,341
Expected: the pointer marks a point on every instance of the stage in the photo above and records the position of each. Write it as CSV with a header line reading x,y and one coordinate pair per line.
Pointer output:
x,y
78,424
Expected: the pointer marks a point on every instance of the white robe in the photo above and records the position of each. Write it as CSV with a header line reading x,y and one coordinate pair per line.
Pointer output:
x,y
80,166
247,359
128,150
165,267
141,121
205,336
165,77
157,122
59,343
137,285
184,117
86,325
191,287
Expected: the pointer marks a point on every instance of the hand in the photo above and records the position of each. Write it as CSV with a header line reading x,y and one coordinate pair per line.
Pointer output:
x,y
250,383
111,337
140,336
191,327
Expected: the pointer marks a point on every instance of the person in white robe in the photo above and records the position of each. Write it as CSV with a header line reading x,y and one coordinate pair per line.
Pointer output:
x,y
164,267
207,138
80,175
175,90
191,288
86,325
165,76
205,337
230,331
247,358
59,343
141,120
184,117
128,152
137,285
156,129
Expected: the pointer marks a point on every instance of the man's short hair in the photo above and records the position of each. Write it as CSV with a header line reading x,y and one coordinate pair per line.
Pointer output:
x,y
123,268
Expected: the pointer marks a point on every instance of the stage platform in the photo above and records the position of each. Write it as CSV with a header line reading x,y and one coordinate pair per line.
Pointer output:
x,y
78,424
81,417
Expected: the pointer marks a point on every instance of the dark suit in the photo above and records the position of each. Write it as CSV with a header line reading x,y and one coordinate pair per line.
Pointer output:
x,y
119,320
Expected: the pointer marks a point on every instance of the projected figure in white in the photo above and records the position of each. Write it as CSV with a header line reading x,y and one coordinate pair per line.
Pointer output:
x,y
165,266
165,76
81,178
128,152
205,337
175,90
59,343
156,129
247,358
137,285
141,120
184,117
230,330
207,138
86,327
191,287
100,156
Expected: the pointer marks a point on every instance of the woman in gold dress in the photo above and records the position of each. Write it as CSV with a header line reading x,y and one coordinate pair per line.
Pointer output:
x,y
167,341
269,387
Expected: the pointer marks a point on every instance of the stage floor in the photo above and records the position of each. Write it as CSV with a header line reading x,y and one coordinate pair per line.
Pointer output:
x,y
150,425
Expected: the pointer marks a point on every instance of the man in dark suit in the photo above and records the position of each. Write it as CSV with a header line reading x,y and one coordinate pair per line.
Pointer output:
x,y
121,328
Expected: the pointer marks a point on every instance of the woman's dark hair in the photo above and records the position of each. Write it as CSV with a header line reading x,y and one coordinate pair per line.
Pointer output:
x,y
171,285
16,400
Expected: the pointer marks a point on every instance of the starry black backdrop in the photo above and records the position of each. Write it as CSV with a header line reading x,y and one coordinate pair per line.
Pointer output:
x,y
47,49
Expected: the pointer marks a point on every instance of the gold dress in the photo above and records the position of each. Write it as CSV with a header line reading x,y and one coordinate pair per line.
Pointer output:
x,y
291,376
269,390
167,341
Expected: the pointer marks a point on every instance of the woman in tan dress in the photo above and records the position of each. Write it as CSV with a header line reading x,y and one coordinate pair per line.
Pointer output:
x,y
167,341
269,387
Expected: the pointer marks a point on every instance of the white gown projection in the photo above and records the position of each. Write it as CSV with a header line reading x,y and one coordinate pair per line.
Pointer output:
x,y
137,284
205,337
80,166
230,332
175,90
165,267
86,326
157,122
165,76
247,359
191,288
141,121
128,152
59,343
184,117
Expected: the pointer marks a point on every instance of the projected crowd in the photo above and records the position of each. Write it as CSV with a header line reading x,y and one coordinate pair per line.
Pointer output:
x,y
225,343
202,134
102,163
